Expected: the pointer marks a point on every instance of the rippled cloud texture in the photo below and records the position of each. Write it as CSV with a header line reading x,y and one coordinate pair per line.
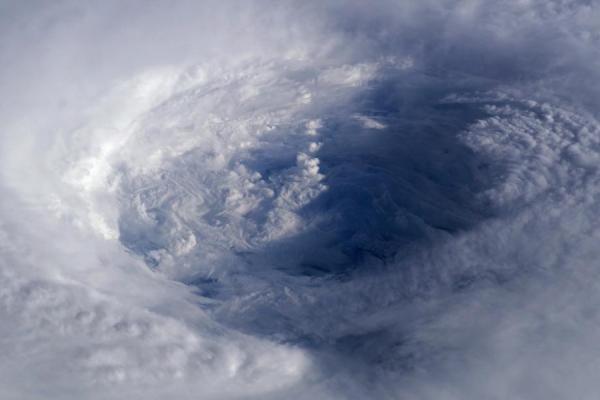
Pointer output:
x,y
299,200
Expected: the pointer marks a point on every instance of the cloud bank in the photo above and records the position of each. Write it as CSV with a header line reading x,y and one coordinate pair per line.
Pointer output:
x,y
274,200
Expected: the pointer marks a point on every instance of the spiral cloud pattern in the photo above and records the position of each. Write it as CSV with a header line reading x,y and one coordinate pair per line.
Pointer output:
x,y
336,199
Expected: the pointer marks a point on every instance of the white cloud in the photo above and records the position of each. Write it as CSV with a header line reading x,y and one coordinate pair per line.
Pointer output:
x,y
194,200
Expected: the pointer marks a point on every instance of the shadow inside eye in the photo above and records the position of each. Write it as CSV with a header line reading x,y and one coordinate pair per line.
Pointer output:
x,y
411,183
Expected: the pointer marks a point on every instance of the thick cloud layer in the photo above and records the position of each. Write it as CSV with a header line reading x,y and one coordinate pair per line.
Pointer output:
x,y
333,200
